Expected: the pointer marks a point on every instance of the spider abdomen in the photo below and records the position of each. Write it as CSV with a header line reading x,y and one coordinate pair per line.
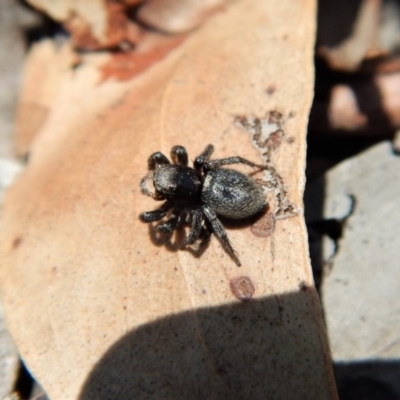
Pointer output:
x,y
232,194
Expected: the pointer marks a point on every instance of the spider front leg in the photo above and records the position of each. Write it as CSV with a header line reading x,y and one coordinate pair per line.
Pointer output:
x,y
156,159
179,156
232,160
156,215
153,162
219,230
203,157
197,219
205,235
171,224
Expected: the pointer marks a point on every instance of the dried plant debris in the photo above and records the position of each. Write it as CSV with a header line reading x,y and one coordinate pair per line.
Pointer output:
x,y
358,64
371,34
267,134
121,25
349,54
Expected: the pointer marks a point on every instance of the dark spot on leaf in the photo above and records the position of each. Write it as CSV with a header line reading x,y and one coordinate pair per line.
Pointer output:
x,y
264,226
242,288
271,90
17,242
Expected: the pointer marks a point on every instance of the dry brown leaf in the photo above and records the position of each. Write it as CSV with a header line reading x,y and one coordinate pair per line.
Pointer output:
x,y
46,68
99,309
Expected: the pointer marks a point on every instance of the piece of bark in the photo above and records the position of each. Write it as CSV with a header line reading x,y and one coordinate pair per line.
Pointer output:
x,y
360,291
11,58
116,313
9,360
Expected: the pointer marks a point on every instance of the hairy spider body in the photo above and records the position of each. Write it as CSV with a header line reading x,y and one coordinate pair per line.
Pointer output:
x,y
200,194
242,196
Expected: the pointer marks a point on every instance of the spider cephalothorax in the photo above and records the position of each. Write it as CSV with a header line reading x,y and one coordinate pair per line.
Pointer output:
x,y
200,194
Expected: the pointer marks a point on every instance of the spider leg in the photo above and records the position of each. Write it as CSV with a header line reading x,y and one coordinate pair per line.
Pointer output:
x,y
232,160
197,218
179,155
205,234
219,230
203,157
170,225
155,215
156,159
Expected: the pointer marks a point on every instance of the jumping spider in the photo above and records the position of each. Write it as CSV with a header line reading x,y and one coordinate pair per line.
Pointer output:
x,y
198,195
